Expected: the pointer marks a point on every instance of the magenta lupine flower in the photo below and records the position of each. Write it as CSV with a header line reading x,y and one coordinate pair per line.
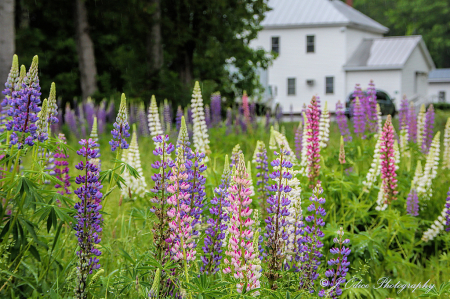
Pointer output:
x,y
428,130
24,107
372,114
447,218
313,147
412,203
359,118
121,127
278,210
403,114
241,254
341,119
387,157
216,108
217,224
88,218
310,240
298,141
246,109
336,277
412,126
62,168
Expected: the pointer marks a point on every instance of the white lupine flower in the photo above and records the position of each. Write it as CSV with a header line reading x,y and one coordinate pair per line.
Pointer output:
x,y
272,142
295,215
200,137
381,202
154,124
281,139
379,121
436,227
424,186
94,136
250,179
404,137
304,158
134,186
396,155
324,127
375,168
446,157
257,150
421,125
417,175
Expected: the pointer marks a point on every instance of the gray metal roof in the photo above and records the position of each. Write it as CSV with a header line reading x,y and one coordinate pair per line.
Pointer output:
x,y
439,75
313,13
385,53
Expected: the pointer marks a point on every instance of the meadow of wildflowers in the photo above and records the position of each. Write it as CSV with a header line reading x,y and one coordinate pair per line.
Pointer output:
x,y
209,201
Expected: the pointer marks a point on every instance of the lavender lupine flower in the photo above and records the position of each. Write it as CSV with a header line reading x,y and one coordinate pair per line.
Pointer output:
x,y
167,116
428,129
24,107
70,120
357,93
121,127
208,116
81,119
412,203
310,240
341,119
216,108
229,121
62,168
262,182
101,117
163,165
403,114
217,224
387,158
412,126
278,210
110,111
299,141
197,181
10,87
241,250
178,118
89,111
235,154
372,107
142,119
313,147
336,277
359,119
88,218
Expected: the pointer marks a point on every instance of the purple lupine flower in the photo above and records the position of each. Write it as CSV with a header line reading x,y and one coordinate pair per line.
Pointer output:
x,y
167,117
121,127
62,168
161,179
110,111
88,215
208,116
12,84
81,120
229,122
359,119
241,120
412,126
217,225
195,168
428,130
262,176
24,106
70,120
336,277
403,114
412,203
310,240
447,217
268,119
178,118
89,111
372,107
101,117
253,112
216,108
142,118
278,209
341,119
299,140
235,155
279,113
56,127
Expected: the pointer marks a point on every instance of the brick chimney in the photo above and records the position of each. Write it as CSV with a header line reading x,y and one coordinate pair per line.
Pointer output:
x,y
349,2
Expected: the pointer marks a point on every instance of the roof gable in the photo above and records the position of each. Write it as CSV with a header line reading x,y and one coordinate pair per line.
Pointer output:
x,y
317,13
439,75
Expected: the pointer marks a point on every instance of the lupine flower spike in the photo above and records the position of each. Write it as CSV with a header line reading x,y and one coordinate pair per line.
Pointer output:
x,y
262,177
154,124
12,85
412,126
88,218
359,118
299,140
62,168
421,126
375,168
121,127
341,119
324,127
216,107
425,184
342,151
313,148
443,221
428,129
200,138
371,102
42,122
94,136
446,156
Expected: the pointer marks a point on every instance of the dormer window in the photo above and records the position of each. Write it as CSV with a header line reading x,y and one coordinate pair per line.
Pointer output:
x,y
276,44
310,44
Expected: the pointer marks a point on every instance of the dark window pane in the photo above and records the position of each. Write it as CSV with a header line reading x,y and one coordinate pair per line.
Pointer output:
x,y
310,48
276,44
291,86
442,96
329,85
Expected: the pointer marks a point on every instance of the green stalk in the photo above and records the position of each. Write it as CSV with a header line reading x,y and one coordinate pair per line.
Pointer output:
x,y
112,180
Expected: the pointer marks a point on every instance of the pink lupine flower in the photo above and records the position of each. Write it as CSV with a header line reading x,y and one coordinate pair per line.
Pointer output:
x,y
387,157
312,135
241,262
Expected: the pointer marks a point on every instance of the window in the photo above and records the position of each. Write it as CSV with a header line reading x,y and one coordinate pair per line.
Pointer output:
x,y
310,44
291,86
441,97
329,85
276,44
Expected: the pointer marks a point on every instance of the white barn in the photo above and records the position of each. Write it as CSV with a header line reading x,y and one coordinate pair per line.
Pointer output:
x,y
439,86
325,47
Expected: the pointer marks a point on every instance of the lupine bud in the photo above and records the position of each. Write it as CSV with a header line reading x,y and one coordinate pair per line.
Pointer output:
x,y
200,138
342,151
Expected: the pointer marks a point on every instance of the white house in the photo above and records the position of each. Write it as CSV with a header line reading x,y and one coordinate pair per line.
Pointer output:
x,y
439,85
326,47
